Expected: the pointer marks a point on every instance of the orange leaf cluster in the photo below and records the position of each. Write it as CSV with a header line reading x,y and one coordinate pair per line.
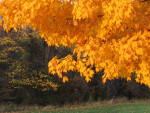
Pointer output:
x,y
113,35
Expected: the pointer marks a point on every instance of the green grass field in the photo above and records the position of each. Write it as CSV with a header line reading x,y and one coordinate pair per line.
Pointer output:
x,y
126,108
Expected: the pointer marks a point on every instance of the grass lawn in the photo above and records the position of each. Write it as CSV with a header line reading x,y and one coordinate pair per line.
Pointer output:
x,y
124,108
116,106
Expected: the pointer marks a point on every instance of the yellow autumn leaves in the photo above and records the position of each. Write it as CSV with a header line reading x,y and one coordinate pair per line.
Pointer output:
x,y
119,59
106,34
62,66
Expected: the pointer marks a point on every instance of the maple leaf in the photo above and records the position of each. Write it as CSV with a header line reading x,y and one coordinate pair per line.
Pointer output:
x,y
65,78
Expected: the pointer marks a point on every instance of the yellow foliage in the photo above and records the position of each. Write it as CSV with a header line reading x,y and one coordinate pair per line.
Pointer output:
x,y
113,35
65,78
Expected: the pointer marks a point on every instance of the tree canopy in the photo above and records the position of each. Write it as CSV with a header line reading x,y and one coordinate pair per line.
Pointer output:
x,y
113,35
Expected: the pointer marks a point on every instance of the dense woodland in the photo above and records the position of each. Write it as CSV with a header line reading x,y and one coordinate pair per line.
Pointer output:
x,y
25,79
